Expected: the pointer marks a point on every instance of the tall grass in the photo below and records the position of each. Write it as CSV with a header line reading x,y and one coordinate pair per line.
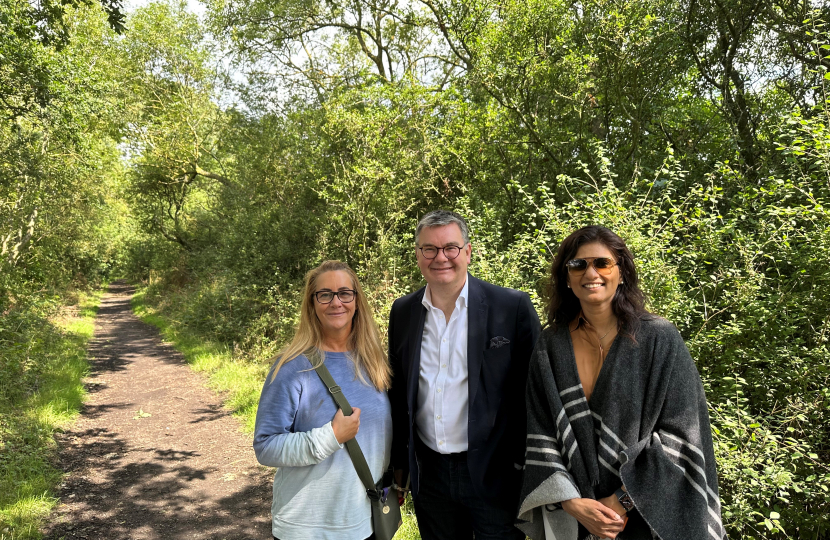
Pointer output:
x,y
43,360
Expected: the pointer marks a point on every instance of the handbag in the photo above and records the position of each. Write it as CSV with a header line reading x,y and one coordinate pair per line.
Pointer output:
x,y
386,513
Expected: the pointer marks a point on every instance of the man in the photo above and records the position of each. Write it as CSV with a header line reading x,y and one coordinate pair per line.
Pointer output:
x,y
459,350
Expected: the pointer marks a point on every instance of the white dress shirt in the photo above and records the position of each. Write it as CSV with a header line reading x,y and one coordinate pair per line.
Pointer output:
x,y
441,416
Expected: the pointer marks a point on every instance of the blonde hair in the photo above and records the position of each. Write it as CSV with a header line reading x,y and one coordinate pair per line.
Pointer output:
x,y
364,340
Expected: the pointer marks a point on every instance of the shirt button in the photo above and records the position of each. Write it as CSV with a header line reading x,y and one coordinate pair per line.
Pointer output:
x,y
443,341
443,365
438,417
438,390
440,443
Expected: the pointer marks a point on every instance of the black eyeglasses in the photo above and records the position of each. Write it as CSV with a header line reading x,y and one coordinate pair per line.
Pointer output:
x,y
344,295
430,252
603,265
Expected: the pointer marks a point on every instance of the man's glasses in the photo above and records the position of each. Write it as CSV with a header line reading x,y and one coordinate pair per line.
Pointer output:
x,y
344,295
430,252
603,265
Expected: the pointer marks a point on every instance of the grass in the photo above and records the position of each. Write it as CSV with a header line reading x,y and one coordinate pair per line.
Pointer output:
x,y
239,380
42,364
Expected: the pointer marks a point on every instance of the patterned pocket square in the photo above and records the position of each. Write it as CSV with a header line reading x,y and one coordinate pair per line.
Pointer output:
x,y
497,342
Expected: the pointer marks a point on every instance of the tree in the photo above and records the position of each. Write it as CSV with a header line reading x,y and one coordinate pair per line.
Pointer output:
x,y
739,47
53,151
175,123
317,48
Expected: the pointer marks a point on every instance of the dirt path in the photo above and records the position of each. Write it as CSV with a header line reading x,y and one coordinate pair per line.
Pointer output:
x,y
153,454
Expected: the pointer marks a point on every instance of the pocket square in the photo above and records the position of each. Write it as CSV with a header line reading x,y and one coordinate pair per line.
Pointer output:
x,y
497,342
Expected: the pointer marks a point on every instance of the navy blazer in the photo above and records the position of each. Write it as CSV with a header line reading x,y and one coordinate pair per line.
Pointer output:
x,y
497,425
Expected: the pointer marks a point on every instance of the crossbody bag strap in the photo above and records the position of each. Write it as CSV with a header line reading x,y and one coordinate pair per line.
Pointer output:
x,y
358,459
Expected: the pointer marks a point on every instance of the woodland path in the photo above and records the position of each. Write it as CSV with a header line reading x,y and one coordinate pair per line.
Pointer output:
x,y
153,455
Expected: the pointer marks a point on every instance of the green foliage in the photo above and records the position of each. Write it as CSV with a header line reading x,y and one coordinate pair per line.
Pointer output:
x,y
175,126
697,130
59,196
42,361
61,219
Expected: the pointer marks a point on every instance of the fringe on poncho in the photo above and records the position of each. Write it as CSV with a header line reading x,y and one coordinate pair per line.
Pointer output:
x,y
647,427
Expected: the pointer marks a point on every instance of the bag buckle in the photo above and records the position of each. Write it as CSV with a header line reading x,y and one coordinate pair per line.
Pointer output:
x,y
335,389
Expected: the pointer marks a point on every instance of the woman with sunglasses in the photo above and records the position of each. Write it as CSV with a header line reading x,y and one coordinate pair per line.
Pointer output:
x,y
619,443
299,428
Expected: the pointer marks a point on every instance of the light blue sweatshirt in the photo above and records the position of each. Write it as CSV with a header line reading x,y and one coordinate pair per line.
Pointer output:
x,y
317,493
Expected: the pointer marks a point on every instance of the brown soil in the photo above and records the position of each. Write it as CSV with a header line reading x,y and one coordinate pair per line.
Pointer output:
x,y
154,455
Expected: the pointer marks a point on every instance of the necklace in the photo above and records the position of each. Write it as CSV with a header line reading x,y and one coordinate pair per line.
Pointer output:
x,y
602,350
606,333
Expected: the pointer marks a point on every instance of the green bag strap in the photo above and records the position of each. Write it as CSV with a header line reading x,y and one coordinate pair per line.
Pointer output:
x,y
358,459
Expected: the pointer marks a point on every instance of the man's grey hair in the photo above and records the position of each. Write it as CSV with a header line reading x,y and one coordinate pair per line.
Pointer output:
x,y
439,218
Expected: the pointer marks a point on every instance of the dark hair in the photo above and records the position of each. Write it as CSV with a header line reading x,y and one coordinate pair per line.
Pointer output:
x,y
628,303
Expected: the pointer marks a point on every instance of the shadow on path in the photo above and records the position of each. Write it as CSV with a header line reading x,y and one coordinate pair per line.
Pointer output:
x,y
153,454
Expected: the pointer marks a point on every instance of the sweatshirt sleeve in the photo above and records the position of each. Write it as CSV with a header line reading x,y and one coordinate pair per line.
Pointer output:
x,y
275,442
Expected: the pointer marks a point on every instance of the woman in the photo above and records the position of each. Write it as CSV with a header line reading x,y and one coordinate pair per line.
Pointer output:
x,y
300,430
619,443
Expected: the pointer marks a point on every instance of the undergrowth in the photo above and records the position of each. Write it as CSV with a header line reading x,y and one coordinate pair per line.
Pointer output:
x,y
43,360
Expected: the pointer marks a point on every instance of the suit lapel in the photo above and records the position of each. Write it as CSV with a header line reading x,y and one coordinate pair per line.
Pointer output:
x,y
476,327
417,315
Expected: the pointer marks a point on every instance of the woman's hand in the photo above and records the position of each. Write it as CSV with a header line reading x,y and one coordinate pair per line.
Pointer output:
x,y
614,504
345,427
595,516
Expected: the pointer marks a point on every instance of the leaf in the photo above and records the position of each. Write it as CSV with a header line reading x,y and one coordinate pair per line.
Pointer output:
x,y
139,414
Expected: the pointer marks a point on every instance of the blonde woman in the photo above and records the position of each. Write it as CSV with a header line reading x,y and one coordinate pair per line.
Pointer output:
x,y
300,430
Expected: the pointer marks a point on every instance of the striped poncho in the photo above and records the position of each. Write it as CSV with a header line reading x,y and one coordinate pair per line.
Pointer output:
x,y
646,427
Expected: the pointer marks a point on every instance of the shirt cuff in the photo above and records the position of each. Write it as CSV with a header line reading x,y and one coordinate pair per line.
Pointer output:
x,y
329,439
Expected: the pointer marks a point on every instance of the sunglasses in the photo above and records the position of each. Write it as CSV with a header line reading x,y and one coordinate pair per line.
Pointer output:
x,y
603,265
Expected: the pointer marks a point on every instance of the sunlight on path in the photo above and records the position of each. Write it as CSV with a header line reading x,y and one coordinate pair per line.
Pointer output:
x,y
154,455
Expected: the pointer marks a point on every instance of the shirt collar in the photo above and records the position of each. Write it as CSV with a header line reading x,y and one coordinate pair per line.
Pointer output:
x,y
462,299
578,322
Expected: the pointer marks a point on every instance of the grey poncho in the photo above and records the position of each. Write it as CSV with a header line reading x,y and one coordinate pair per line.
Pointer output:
x,y
647,427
